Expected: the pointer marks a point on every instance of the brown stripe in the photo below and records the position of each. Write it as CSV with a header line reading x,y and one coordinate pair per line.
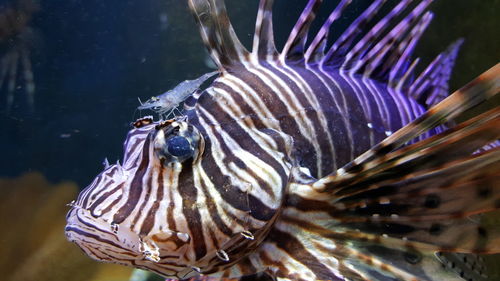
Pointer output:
x,y
189,195
135,186
293,247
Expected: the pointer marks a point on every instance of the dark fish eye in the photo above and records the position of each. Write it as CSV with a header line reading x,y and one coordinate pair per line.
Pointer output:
x,y
179,146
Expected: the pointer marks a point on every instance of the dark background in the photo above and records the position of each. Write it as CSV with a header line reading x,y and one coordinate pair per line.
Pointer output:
x,y
92,59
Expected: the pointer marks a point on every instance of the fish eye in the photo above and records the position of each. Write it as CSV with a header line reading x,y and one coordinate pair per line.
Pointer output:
x,y
179,147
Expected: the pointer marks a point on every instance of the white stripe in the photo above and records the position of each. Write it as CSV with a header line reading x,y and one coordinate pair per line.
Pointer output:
x,y
254,163
312,99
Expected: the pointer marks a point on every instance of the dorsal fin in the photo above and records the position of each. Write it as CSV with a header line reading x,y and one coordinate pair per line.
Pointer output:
x,y
336,54
379,63
384,55
375,55
432,85
217,32
360,49
381,52
402,72
263,40
316,50
294,46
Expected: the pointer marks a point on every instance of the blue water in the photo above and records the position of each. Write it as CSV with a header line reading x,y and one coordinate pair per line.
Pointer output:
x,y
93,59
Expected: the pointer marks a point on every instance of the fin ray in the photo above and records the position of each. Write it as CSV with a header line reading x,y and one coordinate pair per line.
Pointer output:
x,y
432,83
337,52
263,42
435,208
360,49
295,44
217,32
380,63
380,54
475,92
316,50
430,192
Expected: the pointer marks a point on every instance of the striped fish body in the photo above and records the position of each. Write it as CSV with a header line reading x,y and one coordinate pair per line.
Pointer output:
x,y
329,117
311,163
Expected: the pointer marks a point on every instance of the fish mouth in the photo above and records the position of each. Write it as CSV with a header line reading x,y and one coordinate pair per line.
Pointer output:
x,y
120,247
98,240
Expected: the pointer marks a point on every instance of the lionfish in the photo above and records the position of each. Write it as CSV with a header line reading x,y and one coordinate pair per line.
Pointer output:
x,y
322,161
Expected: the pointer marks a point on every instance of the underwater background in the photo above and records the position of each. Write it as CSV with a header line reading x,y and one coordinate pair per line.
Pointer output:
x,y
91,61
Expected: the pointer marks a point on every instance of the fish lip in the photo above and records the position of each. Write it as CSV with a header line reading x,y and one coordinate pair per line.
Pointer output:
x,y
71,225
76,228
97,251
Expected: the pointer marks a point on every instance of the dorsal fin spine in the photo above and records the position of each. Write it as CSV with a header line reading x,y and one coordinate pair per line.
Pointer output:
x,y
229,38
294,46
401,68
316,50
263,40
397,35
200,9
217,32
397,53
407,77
360,49
336,54
435,77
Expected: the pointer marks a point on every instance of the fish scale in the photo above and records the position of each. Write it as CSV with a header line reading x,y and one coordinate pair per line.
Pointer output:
x,y
319,162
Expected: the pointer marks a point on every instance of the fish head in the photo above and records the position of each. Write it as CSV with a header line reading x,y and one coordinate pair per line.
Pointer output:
x,y
171,208
130,213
